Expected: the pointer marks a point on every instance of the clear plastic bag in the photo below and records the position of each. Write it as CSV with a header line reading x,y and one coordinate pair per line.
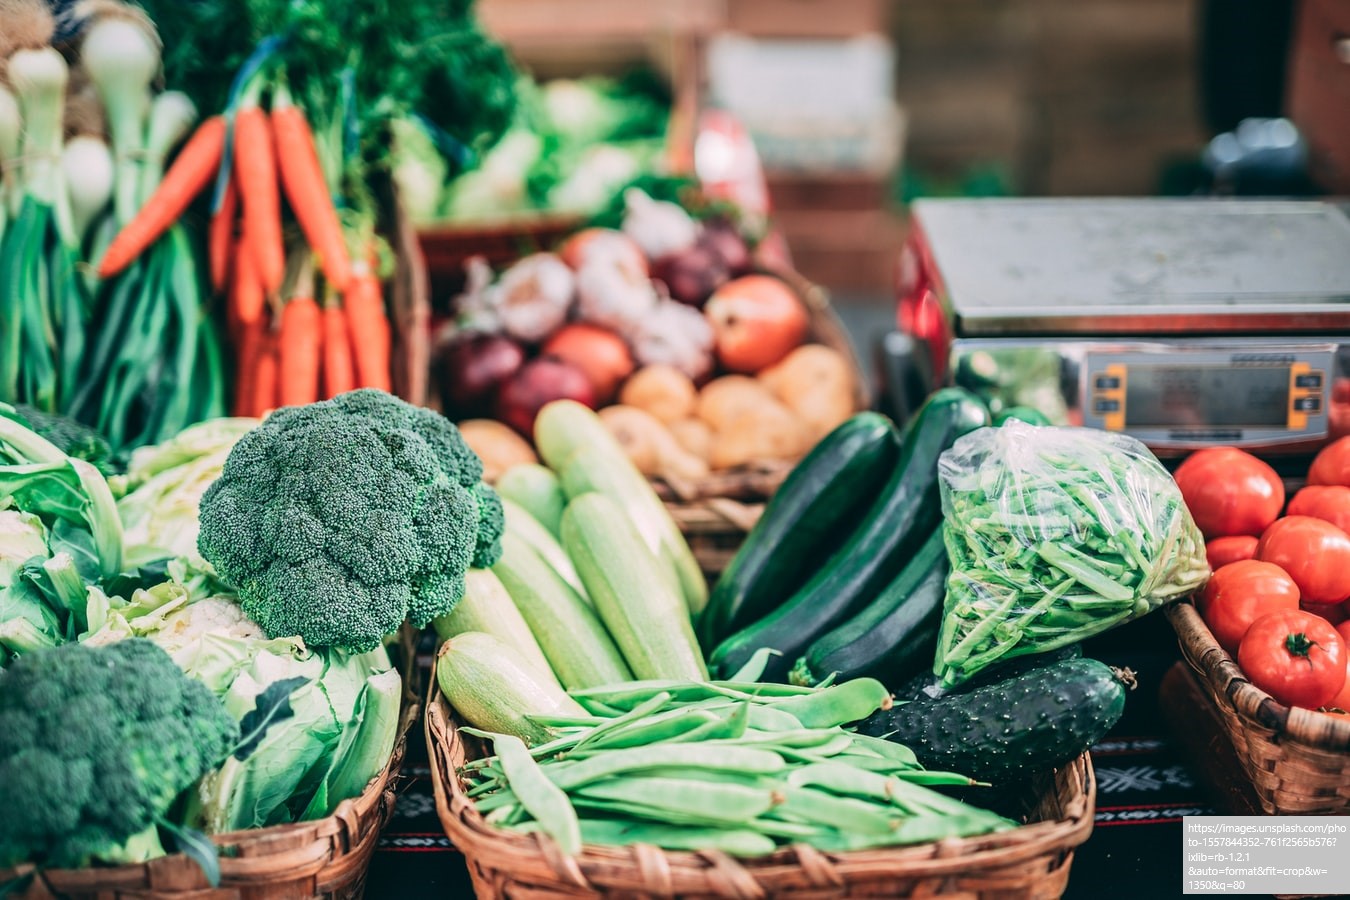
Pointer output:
x,y
1054,535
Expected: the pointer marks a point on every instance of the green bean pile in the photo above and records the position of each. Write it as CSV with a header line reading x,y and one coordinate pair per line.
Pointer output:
x,y
736,766
1054,535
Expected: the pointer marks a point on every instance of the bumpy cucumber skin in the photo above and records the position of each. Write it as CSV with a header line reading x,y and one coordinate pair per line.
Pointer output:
x,y
927,686
815,509
1029,723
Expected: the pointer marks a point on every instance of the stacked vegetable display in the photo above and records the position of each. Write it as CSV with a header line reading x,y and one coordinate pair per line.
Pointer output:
x,y
1277,601
571,145
981,554
846,586
229,690
134,356
647,316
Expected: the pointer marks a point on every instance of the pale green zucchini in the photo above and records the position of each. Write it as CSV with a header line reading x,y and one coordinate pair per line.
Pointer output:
x,y
493,688
488,607
536,489
648,620
574,640
578,446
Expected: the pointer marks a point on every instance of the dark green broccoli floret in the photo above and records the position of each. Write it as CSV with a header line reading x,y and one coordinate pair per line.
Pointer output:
x,y
96,742
71,437
338,520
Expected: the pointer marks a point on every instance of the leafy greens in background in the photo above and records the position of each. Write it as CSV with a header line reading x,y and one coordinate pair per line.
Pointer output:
x,y
367,63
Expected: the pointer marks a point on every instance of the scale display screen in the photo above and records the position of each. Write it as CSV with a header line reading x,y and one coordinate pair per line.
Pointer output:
x,y
1207,396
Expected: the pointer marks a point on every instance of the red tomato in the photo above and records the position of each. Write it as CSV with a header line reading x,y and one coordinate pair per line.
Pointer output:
x,y
1342,700
1222,551
1295,657
1332,465
1229,491
1239,594
1332,612
1316,554
1330,502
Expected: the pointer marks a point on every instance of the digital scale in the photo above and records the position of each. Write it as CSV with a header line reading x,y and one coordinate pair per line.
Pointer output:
x,y
1186,323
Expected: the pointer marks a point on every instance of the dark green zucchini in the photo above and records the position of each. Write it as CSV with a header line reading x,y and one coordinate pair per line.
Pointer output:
x,y
927,686
1028,414
811,513
894,635
1025,724
892,529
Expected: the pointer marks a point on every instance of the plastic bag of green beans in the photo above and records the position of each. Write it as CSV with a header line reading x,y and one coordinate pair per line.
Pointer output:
x,y
1054,535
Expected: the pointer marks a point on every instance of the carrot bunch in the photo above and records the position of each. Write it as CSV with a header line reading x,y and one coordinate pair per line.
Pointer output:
x,y
298,337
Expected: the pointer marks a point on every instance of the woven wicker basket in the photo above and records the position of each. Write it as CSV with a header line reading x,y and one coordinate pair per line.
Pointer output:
x,y
1027,863
1298,760
326,858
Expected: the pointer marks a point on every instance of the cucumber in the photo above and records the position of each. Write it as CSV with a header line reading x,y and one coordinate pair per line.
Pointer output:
x,y
647,618
902,517
487,607
565,427
1022,725
578,649
494,689
526,527
1028,414
927,686
812,513
894,635
535,488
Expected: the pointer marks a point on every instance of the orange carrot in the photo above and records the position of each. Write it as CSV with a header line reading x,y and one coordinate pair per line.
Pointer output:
x,y
191,171
301,343
220,239
307,191
265,376
251,340
369,329
246,291
338,374
255,167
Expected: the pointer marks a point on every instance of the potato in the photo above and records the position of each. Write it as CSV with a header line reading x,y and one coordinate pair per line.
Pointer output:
x,y
816,383
725,400
694,435
650,445
664,391
497,445
767,431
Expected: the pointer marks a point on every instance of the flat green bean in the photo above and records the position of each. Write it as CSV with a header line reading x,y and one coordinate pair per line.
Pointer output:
x,y
851,701
730,803
745,842
814,807
570,775
547,803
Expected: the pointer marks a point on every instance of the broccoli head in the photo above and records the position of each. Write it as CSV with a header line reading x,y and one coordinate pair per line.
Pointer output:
x,y
71,437
338,520
95,744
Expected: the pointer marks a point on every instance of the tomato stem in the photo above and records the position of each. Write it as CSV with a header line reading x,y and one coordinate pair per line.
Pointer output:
x,y
1298,645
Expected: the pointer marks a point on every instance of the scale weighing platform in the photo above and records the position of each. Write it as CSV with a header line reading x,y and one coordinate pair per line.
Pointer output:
x,y
1186,323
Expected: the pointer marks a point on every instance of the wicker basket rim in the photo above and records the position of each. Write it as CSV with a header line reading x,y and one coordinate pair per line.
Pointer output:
x,y
258,854
1202,651
472,834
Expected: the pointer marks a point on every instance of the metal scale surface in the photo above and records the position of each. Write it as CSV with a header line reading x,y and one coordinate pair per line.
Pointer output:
x,y
1186,323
